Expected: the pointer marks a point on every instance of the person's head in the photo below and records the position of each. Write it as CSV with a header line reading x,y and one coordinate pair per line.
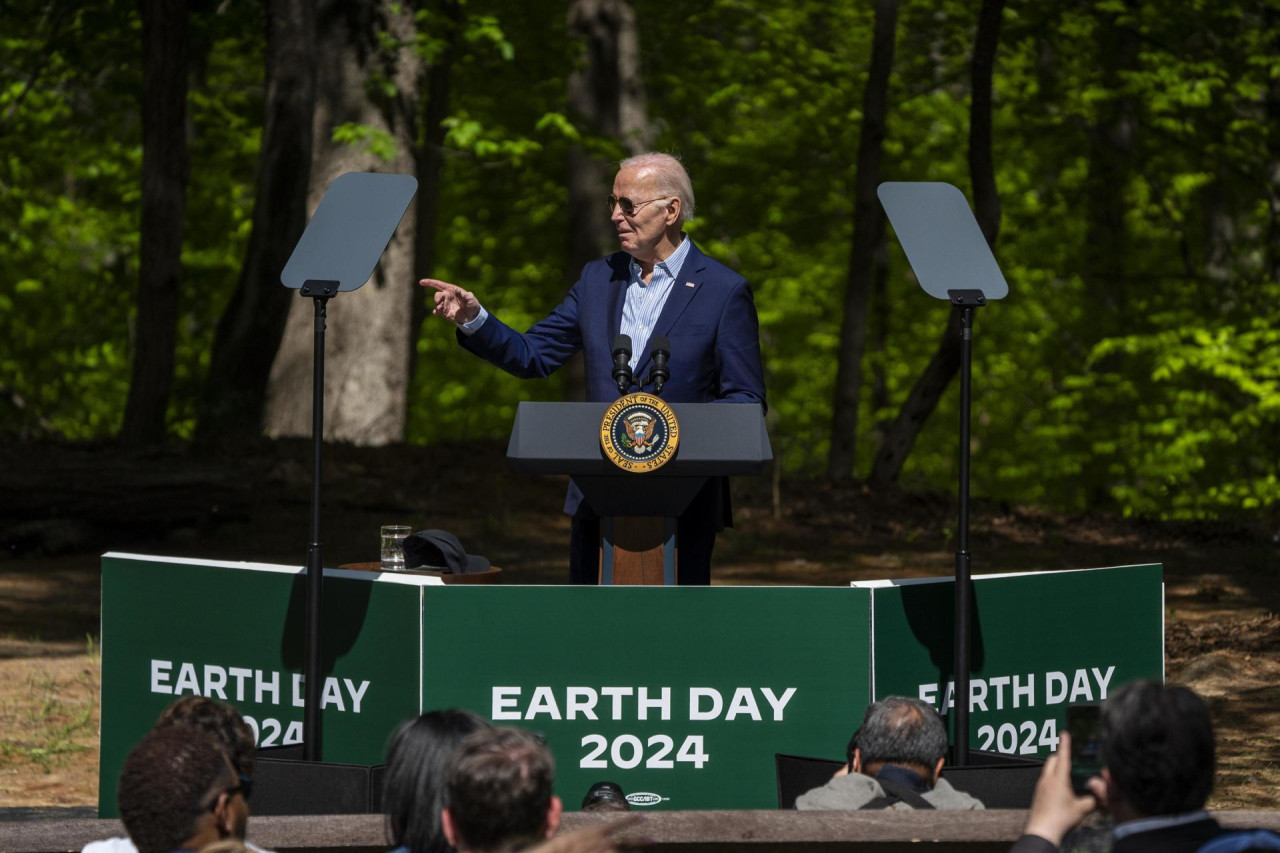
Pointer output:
x,y
417,760
654,198
1157,749
178,790
904,732
219,720
498,795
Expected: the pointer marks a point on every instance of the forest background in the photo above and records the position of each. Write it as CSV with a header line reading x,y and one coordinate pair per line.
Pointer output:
x,y
158,161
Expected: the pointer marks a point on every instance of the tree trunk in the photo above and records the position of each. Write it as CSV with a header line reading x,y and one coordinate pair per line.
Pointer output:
x,y
428,158
606,99
928,389
868,226
366,358
164,189
252,325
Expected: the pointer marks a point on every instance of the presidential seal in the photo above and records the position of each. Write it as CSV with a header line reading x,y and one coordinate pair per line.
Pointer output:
x,y
639,433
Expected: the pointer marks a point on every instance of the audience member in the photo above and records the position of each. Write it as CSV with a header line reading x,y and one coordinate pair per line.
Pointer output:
x,y
1158,763
417,761
895,762
498,795
225,725
178,791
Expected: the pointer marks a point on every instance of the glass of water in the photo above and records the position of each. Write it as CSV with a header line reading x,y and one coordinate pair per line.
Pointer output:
x,y
393,536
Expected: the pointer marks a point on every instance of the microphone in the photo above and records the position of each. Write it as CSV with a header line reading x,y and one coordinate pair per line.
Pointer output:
x,y
659,351
621,362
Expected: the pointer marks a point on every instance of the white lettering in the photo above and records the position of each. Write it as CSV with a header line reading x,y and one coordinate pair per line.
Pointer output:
x,y
331,695
696,695
778,703
616,694
263,686
239,673
1080,686
662,703
1055,687
929,693
298,683
977,694
744,702
187,680
999,682
580,700
1103,680
356,695
505,703
1028,690
544,702
160,670
215,679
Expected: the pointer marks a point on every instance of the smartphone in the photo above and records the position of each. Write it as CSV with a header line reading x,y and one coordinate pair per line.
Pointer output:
x,y
1084,723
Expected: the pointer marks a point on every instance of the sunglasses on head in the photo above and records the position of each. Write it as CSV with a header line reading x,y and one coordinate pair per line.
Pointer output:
x,y
628,206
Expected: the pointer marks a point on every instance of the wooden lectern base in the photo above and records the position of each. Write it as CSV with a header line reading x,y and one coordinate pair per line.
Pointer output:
x,y
638,551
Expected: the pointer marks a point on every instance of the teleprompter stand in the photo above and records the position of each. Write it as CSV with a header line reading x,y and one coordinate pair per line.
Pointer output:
x,y
952,261
337,252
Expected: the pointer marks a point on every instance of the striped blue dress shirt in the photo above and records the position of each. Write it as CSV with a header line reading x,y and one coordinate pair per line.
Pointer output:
x,y
644,302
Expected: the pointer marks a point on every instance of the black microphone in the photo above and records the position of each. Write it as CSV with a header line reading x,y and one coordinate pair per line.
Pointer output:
x,y
659,351
621,365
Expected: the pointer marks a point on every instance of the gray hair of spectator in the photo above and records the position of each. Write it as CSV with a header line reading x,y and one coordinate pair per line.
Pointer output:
x,y
219,720
1157,742
669,176
417,760
499,789
170,780
901,730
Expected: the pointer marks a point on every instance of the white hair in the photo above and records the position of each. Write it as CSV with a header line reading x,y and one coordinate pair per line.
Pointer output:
x,y
669,176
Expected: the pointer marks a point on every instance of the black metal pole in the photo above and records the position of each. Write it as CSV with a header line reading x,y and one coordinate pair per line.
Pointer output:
x,y
964,586
312,675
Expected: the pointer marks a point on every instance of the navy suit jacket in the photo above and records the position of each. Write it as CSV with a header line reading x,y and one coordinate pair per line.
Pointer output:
x,y
709,317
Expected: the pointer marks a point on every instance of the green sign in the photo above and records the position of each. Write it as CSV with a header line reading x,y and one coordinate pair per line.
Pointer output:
x,y
1039,642
680,695
234,631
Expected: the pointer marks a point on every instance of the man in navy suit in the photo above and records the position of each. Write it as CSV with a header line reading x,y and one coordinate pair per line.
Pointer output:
x,y
659,284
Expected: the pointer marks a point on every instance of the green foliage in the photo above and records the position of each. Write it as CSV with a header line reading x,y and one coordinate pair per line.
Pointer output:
x,y
1134,367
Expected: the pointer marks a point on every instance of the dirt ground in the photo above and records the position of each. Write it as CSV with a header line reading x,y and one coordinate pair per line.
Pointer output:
x,y
62,506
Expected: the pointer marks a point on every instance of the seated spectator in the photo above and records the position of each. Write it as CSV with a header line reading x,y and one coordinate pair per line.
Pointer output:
x,y
895,762
225,725
178,791
1158,762
498,795
417,760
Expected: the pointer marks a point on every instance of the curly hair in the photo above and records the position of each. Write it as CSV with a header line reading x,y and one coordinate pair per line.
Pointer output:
x,y
169,781
218,719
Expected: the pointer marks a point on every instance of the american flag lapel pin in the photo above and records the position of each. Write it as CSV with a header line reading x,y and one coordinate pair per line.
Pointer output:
x,y
689,284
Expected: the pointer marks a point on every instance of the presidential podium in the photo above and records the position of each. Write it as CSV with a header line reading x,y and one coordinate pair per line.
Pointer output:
x,y
638,510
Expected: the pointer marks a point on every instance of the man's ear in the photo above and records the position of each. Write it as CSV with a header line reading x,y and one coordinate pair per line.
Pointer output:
x,y
857,760
222,815
554,810
450,831
937,771
673,210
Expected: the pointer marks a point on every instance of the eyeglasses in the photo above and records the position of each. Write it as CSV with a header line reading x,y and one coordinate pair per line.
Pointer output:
x,y
628,206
